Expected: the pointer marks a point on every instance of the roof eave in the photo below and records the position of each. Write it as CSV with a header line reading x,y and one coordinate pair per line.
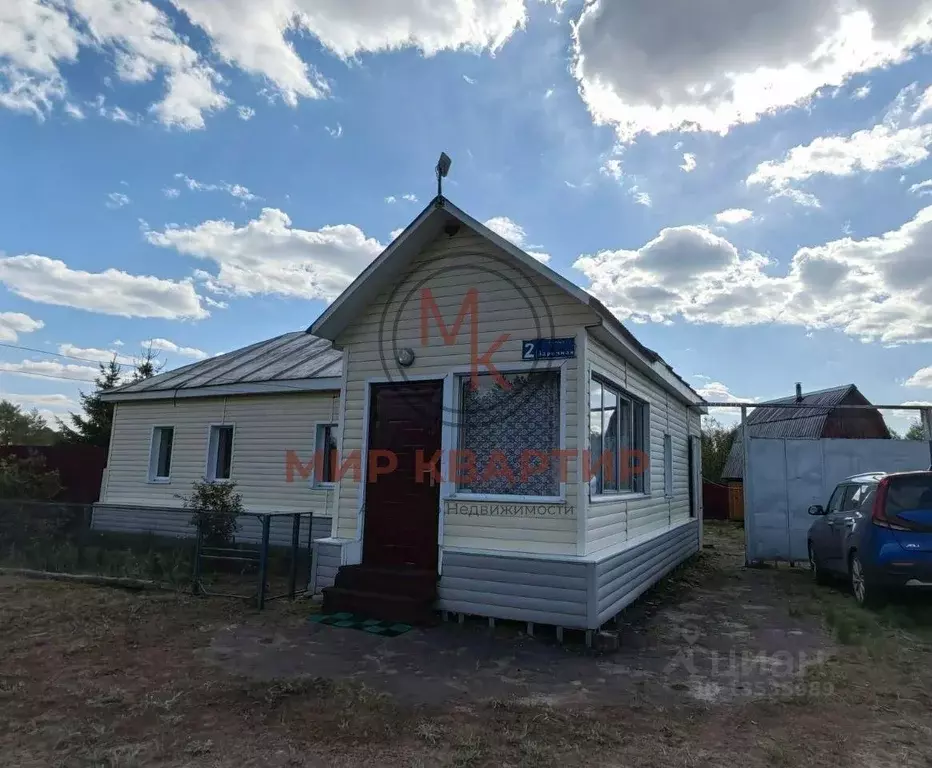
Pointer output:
x,y
292,386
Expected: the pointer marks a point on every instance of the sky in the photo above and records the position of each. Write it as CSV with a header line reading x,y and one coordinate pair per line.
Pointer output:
x,y
746,184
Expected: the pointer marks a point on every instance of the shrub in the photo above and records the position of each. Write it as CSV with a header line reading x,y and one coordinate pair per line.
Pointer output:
x,y
215,507
27,478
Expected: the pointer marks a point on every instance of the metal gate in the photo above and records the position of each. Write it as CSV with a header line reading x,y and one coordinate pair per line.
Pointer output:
x,y
782,477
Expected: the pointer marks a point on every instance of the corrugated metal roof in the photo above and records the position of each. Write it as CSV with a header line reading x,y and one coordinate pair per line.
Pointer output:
x,y
291,356
786,422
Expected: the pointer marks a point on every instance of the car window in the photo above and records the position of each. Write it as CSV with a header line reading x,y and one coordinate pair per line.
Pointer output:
x,y
834,503
863,497
852,497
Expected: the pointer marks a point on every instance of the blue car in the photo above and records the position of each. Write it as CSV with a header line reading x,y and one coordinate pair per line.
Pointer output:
x,y
877,532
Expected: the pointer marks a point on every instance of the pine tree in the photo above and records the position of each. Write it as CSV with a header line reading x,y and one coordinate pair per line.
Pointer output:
x,y
147,364
94,425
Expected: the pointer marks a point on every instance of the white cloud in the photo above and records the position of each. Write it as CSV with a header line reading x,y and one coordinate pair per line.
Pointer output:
x,y
733,216
861,93
469,79
114,114
39,37
391,199
236,190
145,43
654,67
879,148
612,168
269,256
246,113
922,188
924,105
641,198
515,233
255,36
117,200
191,93
111,292
875,289
73,110
60,403
410,198
51,369
717,392
49,407
805,199
34,38
689,162
171,192
921,378
335,133
94,354
164,345
395,232
14,323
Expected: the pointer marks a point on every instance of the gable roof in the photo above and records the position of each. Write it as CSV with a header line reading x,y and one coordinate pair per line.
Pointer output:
x,y
440,212
292,361
788,422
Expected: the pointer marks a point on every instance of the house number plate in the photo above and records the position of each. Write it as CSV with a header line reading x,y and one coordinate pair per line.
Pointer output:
x,y
548,349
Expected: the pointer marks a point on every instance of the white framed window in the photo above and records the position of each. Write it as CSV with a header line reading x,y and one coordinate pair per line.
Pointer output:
x,y
325,447
160,454
220,453
509,429
667,465
618,429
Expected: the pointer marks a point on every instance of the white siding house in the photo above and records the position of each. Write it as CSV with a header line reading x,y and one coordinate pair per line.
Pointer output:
x,y
499,437
182,417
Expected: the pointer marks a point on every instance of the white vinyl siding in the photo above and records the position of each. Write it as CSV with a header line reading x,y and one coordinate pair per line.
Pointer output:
x,y
267,427
503,308
612,522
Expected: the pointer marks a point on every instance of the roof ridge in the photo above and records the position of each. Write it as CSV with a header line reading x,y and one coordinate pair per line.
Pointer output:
x,y
808,394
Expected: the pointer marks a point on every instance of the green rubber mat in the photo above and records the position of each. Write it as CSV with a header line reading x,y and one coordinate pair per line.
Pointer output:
x,y
355,621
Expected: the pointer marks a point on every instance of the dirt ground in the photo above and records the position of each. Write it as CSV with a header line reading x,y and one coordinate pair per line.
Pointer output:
x,y
720,666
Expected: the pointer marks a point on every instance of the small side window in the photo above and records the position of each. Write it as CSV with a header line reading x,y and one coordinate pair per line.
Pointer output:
x,y
220,453
325,454
160,454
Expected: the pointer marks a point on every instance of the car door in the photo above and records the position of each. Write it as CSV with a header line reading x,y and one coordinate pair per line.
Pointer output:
x,y
839,521
823,534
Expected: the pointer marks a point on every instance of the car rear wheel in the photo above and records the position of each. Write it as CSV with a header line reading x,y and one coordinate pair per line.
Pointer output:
x,y
820,576
865,591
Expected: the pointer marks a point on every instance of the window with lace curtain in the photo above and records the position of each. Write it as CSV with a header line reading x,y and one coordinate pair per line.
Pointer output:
x,y
510,424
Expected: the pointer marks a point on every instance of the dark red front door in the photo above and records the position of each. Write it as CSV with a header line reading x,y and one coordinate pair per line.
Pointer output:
x,y
402,506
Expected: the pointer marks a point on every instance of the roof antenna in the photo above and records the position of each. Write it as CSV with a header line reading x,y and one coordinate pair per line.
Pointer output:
x,y
443,168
